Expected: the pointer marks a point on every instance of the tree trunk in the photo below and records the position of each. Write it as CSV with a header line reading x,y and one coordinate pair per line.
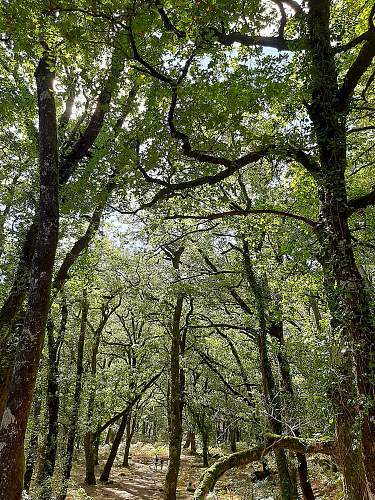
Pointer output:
x,y
176,389
270,392
33,443
89,446
277,331
205,443
11,308
233,439
115,446
175,430
76,400
23,379
53,397
349,464
89,441
130,429
188,441
347,296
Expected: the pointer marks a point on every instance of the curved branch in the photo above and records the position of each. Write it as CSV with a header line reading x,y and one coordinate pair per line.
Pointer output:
x,y
353,43
358,68
273,442
168,25
231,213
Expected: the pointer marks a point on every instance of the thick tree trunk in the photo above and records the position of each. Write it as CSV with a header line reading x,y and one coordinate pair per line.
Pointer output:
x,y
348,300
191,443
76,400
23,379
350,464
115,446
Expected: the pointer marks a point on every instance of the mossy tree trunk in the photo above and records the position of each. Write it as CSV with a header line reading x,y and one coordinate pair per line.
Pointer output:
x,y
22,382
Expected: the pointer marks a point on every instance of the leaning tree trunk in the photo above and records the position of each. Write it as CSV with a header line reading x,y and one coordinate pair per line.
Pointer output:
x,y
115,446
23,379
67,468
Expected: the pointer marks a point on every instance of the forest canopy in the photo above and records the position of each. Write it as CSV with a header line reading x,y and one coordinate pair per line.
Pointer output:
x,y
187,242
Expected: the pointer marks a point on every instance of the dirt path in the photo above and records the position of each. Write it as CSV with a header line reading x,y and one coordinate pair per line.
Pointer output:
x,y
140,481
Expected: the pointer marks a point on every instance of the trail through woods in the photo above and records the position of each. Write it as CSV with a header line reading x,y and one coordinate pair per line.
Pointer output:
x,y
142,481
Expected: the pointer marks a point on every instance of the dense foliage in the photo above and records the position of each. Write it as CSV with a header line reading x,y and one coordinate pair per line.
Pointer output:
x,y
187,237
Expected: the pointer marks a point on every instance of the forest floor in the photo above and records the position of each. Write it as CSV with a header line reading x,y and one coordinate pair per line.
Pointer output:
x,y
142,481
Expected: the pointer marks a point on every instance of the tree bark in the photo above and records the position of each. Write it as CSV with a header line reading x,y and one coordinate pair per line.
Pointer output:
x,y
22,382
270,392
53,396
130,429
115,446
89,442
176,392
76,400
33,443
175,430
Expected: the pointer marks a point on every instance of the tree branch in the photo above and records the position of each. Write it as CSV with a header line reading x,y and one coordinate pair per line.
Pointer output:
x,y
168,25
358,68
361,202
253,211
273,442
82,147
278,43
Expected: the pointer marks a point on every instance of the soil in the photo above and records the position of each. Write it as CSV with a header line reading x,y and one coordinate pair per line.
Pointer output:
x,y
139,481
